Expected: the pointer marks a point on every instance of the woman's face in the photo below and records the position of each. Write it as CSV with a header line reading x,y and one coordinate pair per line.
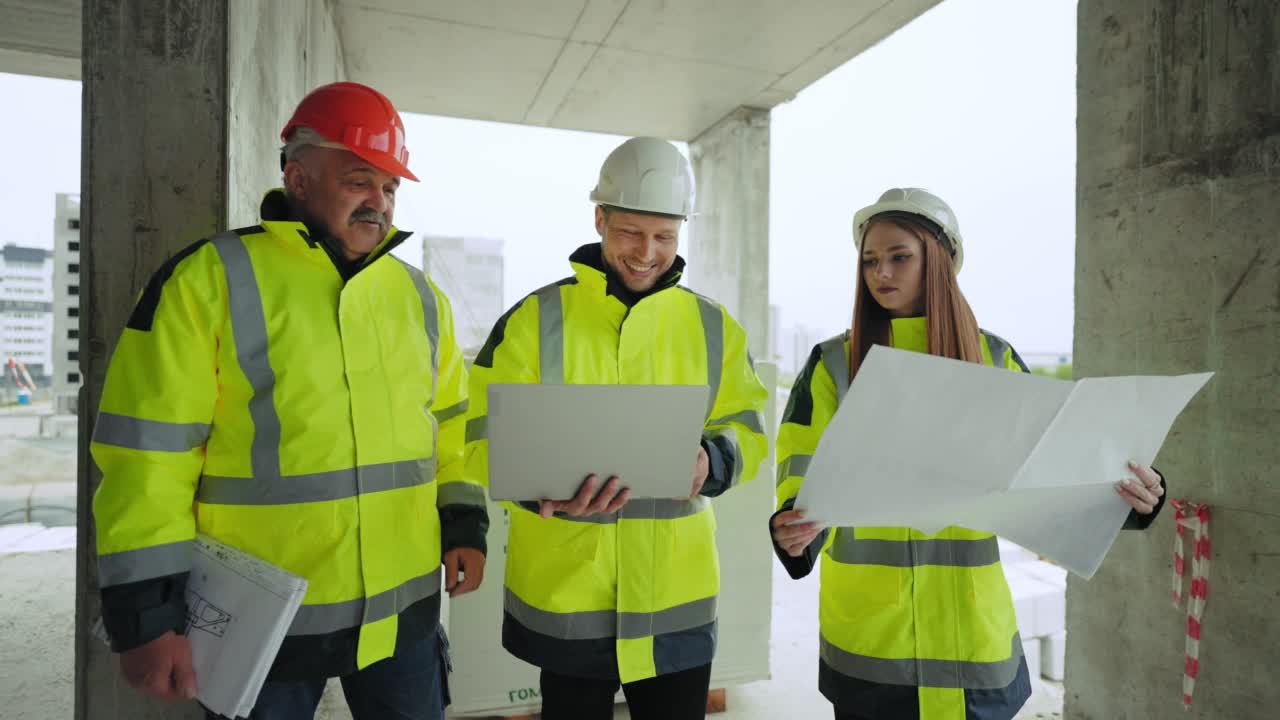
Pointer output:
x,y
893,269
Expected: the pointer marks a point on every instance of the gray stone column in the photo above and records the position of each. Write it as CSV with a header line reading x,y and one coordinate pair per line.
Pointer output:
x,y
1178,270
729,248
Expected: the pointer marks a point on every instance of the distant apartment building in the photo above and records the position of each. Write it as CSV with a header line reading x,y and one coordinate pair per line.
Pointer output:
x,y
469,270
794,346
26,310
66,303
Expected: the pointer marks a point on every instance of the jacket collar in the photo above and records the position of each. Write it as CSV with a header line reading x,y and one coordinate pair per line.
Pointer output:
x,y
277,211
591,270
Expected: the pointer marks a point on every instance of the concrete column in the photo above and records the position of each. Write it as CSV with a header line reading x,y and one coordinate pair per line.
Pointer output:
x,y
729,247
1178,270
183,103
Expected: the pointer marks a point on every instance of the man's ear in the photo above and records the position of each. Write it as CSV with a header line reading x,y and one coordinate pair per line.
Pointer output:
x,y
601,221
295,179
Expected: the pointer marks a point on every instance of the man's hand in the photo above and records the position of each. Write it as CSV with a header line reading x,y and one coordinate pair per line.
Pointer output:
x,y
161,668
468,561
588,502
700,471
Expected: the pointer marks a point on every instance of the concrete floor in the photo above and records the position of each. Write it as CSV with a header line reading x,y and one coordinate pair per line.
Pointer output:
x,y
37,607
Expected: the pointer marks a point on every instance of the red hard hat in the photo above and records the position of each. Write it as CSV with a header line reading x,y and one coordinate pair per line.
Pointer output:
x,y
359,118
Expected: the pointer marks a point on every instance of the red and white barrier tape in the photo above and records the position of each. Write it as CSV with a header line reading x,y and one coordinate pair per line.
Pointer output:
x,y
1194,517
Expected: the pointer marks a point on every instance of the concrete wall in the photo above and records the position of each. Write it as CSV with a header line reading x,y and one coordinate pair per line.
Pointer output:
x,y
277,53
729,246
1178,270
182,103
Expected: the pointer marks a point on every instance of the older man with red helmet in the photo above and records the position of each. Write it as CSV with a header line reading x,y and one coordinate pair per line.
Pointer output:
x,y
293,390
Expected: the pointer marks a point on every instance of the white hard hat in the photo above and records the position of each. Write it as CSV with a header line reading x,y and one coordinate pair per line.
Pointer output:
x,y
921,204
646,174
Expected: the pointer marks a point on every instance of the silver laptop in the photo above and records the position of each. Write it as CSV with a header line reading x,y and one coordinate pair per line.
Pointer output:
x,y
544,440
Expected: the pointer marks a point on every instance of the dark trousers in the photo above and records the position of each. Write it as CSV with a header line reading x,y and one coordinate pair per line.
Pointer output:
x,y
410,686
675,696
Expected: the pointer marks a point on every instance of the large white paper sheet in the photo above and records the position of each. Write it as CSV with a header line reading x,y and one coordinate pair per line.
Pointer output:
x,y
927,442
239,609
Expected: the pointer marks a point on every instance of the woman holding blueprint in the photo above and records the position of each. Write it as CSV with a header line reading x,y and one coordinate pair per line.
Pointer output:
x,y
912,625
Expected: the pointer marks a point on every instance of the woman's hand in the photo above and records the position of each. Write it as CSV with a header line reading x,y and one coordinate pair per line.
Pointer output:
x,y
1144,493
794,538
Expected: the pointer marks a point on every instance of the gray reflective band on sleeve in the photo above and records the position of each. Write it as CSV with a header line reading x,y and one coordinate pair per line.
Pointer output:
x,y
794,466
751,419
157,561
151,435
478,428
445,415
460,493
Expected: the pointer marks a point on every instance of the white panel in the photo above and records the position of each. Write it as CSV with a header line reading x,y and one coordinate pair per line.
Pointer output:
x,y
48,27
671,68
856,38
1051,611
634,94
1031,650
40,38
39,64
1053,656
446,69
598,19
568,68
548,18
770,35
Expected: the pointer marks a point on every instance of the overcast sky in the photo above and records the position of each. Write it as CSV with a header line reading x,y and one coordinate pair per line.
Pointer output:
x,y
975,101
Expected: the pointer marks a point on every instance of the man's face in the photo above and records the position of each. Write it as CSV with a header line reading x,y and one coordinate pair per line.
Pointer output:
x,y
639,248
354,200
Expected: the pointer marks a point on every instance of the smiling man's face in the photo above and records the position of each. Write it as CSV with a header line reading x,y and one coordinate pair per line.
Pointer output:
x,y
640,248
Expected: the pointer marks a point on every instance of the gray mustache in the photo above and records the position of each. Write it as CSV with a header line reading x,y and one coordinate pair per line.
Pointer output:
x,y
367,215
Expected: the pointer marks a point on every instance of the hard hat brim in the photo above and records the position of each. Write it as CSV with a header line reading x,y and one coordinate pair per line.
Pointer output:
x,y
867,214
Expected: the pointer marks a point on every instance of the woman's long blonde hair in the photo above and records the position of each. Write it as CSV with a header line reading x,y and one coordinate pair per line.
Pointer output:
x,y
952,329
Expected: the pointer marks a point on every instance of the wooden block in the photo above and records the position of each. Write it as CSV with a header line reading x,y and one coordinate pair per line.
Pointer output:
x,y
716,701
518,717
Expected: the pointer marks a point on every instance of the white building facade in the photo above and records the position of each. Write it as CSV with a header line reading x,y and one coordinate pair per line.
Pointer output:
x,y
66,304
26,310
470,272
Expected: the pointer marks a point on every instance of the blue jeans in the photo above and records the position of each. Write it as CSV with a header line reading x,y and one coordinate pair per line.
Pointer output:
x,y
410,686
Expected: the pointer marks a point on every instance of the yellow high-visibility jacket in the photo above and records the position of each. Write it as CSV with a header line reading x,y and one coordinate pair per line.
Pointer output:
x,y
631,594
912,625
305,409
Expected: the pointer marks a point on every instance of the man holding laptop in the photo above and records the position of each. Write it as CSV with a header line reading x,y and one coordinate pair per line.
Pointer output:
x,y
616,586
